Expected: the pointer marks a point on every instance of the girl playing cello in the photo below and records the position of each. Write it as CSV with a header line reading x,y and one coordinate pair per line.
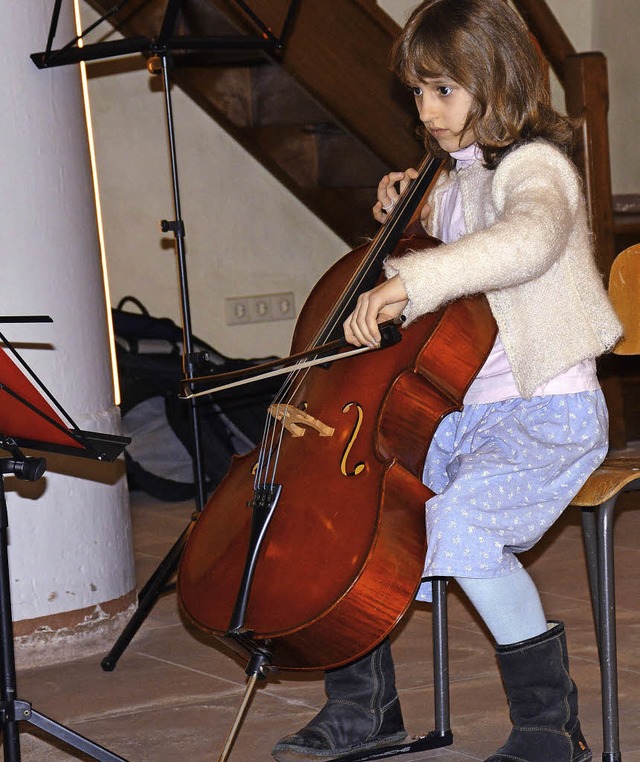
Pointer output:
x,y
512,218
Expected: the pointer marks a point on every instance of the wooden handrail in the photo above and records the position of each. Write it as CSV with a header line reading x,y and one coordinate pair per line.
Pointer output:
x,y
587,97
548,32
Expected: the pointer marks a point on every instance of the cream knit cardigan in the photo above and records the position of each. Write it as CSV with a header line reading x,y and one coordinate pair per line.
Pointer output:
x,y
528,249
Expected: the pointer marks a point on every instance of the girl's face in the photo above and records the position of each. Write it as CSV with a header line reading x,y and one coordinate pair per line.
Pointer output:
x,y
443,106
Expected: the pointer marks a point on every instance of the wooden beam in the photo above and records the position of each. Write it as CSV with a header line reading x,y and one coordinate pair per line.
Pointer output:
x,y
547,30
340,51
587,98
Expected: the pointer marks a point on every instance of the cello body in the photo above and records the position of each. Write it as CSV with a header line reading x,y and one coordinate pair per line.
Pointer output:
x,y
342,554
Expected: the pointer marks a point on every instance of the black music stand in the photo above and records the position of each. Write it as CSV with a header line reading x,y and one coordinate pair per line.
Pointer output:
x,y
30,417
160,50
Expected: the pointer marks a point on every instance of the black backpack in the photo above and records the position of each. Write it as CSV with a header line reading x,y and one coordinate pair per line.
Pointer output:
x,y
159,459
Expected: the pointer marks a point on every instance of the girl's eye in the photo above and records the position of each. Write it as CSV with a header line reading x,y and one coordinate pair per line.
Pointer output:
x,y
445,90
417,91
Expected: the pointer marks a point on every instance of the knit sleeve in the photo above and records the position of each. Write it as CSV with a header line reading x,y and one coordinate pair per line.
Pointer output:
x,y
535,194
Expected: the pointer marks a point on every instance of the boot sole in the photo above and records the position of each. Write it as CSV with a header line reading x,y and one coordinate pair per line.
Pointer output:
x,y
300,754
586,756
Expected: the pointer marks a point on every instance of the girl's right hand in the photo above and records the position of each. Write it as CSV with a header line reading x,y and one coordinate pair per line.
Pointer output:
x,y
390,189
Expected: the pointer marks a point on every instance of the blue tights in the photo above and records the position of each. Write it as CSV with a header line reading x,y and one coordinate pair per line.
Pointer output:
x,y
509,606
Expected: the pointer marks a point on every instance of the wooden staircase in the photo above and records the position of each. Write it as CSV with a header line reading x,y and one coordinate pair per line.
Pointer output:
x,y
325,117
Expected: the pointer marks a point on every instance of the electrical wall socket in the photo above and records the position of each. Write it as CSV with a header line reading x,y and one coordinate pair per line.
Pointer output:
x,y
260,308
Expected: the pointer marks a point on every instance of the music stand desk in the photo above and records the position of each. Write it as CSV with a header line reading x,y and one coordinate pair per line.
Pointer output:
x,y
31,418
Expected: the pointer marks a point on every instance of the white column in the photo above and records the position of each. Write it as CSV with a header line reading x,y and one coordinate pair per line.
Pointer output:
x,y
71,558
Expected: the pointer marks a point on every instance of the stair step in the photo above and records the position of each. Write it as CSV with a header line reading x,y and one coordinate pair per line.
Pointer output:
x,y
291,148
348,208
279,99
323,115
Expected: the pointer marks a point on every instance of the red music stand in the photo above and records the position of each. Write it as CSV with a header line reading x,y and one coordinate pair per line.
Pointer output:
x,y
30,417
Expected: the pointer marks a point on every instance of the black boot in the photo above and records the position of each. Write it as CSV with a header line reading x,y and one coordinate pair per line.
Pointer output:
x,y
581,752
543,701
362,712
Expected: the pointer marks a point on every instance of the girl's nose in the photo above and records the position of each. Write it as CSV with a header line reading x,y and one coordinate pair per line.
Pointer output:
x,y
425,110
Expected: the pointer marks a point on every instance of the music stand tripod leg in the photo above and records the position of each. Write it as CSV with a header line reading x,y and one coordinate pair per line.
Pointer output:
x,y
13,710
11,742
155,586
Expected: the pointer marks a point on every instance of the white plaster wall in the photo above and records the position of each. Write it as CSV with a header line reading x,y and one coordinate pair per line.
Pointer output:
x,y
576,18
70,538
399,10
611,26
616,25
245,233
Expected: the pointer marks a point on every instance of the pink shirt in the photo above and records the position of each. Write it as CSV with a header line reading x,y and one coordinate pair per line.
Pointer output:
x,y
495,381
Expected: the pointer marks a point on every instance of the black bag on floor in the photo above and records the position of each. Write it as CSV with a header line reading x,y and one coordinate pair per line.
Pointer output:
x,y
160,457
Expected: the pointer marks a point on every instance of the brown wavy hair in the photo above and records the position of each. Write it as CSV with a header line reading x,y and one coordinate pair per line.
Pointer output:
x,y
485,47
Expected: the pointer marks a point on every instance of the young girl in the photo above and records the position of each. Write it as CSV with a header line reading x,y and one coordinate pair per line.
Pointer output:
x,y
512,218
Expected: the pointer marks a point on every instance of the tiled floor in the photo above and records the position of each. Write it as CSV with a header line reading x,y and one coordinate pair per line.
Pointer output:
x,y
173,695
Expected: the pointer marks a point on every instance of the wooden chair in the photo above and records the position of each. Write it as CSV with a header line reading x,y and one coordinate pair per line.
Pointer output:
x,y
620,472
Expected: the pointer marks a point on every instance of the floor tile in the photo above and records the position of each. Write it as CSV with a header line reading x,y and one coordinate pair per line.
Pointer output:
x,y
175,690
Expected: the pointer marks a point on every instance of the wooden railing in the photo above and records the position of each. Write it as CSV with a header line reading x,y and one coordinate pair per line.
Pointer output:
x,y
584,79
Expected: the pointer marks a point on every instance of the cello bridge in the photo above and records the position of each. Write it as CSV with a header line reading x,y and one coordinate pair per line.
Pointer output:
x,y
294,420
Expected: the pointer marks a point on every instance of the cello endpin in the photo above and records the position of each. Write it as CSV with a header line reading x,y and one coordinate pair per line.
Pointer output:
x,y
257,669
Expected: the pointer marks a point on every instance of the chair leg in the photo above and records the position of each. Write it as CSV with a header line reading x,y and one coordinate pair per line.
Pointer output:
x,y
607,634
590,538
440,658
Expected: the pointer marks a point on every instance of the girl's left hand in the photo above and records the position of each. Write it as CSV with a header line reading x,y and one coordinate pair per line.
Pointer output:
x,y
390,188
385,302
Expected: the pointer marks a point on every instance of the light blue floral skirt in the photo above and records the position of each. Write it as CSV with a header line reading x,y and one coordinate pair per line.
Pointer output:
x,y
503,473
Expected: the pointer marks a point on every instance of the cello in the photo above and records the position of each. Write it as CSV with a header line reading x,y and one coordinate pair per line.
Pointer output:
x,y
311,548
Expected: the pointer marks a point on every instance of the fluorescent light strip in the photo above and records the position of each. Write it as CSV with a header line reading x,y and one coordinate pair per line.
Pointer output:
x,y
96,193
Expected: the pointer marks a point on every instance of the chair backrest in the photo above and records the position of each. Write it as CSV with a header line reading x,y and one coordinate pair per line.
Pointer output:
x,y
624,291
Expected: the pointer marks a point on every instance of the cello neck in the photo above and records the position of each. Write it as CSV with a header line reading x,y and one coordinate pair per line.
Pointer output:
x,y
366,275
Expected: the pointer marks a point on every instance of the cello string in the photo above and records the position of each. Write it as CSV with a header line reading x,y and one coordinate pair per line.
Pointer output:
x,y
371,259
277,452
266,450
297,376
281,406
354,284
271,426
262,456
294,379
266,472
358,277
